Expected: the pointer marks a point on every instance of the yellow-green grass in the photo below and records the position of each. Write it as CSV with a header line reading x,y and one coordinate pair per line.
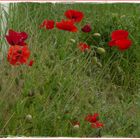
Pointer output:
x,y
65,84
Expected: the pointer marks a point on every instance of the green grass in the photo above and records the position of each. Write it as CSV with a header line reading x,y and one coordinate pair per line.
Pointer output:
x,y
63,79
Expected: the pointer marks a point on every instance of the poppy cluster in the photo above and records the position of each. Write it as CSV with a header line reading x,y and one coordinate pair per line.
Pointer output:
x,y
119,38
18,52
94,120
73,17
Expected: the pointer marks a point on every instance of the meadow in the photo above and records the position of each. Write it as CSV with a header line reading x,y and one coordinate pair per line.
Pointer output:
x,y
65,84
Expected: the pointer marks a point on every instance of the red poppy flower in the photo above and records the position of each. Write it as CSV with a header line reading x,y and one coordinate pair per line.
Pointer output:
x,y
120,40
92,118
48,24
31,63
75,16
83,46
66,25
18,55
97,125
112,43
119,34
16,38
86,28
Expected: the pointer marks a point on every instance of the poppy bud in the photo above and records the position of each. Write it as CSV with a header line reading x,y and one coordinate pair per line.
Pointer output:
x,y
28,118
58,117
123,16
72,40
76,127
97,34
86,28
100,50
95,59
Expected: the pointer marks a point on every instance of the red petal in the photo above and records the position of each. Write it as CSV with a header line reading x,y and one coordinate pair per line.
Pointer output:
x,y
83,46
119,34
16,38
86,28
48,24
74,15
112,43
123,44
24,35
9,40
67,25
97,125
31,63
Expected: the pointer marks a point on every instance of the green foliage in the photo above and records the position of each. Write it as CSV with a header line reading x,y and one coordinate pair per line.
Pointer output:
x,y
65,84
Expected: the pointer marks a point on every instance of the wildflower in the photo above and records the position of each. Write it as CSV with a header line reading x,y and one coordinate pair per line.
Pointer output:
x,y
31,63
16,38
18,55
119,34
83,46
75,16
120,39
123,44
48,24
86,28
93,119
66,25
72,40
97,125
